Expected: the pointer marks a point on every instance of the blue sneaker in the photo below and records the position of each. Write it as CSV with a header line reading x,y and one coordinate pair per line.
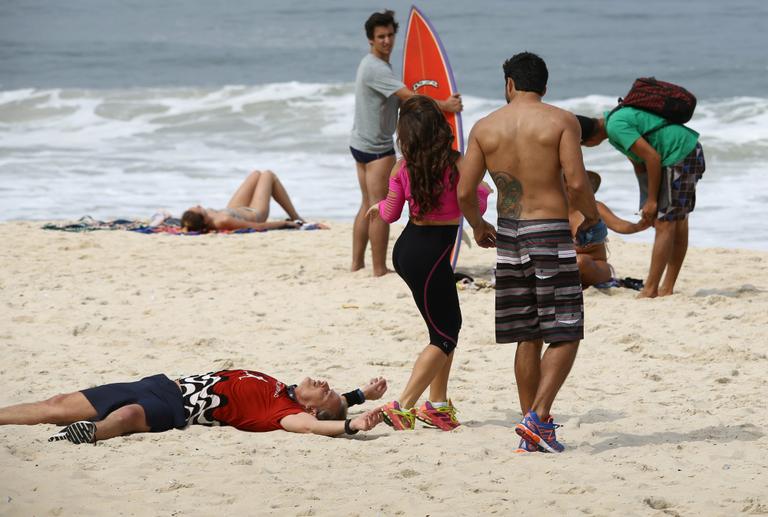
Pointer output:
x,y
540,433
526,446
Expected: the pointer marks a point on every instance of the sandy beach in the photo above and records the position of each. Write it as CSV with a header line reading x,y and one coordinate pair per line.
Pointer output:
x,y
661,412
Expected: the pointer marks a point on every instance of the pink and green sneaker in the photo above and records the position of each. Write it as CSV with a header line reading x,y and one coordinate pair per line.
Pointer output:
x,y
397,418
440,417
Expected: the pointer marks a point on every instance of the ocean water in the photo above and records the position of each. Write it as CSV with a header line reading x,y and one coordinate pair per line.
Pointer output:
x,y
120,109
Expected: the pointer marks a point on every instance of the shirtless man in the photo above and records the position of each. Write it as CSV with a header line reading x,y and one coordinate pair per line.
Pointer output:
x,y
525,145
245,399
378,94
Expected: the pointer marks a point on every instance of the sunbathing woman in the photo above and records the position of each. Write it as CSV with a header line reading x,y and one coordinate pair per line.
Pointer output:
x,y
427,176
248,208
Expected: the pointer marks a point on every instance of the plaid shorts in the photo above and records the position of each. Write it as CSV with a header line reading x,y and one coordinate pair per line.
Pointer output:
x,y
677,192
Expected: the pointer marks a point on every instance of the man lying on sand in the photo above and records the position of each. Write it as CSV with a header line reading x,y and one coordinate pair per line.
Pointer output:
x,y
245,399
248,208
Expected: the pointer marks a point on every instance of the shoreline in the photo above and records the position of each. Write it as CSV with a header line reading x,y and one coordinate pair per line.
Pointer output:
x,y
658,412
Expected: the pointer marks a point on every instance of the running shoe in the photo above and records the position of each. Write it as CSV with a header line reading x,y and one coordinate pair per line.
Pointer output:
x,y
440,417
540,433
397,418
526,446
77,433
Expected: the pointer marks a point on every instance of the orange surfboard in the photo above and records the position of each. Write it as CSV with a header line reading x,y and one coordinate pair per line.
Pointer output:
x,y
426,71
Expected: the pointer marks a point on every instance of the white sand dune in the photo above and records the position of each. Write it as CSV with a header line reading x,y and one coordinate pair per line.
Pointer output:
x,y
663,413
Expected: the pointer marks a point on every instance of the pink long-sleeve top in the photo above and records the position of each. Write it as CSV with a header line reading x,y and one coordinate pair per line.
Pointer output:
x,y
448,208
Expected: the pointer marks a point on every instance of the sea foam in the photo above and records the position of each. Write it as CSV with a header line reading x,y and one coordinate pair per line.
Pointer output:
x,y
65,153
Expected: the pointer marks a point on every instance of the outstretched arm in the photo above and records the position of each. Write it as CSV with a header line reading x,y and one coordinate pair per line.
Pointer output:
x,y
374,390
390,208
306,423
652,160
452,104
617,224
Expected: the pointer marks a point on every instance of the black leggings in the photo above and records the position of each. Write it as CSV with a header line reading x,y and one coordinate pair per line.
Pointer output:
x,y
422,258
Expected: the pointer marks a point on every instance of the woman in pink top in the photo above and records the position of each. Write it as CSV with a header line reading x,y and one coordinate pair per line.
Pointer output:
x,y
426,177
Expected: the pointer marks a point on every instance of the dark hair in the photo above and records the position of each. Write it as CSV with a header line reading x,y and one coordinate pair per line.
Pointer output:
x,y
383,19
588,126
528,71
594,180
193,221
425,139
339,413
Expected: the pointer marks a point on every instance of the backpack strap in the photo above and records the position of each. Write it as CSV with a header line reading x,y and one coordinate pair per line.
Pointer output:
x,y
614,110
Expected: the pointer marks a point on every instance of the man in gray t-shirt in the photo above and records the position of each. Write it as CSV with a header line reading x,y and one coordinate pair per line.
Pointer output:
x,y
375,106
377,98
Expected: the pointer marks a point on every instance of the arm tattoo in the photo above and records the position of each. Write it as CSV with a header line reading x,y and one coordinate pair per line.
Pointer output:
x,y
510,195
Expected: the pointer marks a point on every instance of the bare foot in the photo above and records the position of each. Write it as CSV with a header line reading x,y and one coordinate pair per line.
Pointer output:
x,y
647,293
357,267
665,292
382,273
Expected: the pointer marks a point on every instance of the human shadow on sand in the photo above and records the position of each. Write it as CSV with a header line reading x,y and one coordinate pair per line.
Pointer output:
x,y
593,416
719,434
744,290
367,437
512,418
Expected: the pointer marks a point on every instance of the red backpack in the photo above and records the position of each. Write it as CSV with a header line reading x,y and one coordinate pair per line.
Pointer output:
x,y
673,102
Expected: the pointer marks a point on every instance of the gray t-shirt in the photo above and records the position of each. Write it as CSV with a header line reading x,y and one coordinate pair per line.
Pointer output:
x,y
375,106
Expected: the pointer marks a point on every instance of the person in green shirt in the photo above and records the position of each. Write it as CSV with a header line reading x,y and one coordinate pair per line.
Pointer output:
x,y
668,161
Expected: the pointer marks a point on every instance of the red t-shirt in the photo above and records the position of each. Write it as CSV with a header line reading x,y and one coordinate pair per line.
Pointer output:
x,y
245,399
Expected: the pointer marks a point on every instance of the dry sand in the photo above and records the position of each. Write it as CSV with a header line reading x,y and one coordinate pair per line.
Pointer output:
x,y
664,411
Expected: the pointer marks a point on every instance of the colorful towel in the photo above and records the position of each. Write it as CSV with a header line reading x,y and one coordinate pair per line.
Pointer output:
x,y
164,225
89,224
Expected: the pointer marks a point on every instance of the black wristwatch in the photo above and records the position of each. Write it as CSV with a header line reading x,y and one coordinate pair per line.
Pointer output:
x,y
348,428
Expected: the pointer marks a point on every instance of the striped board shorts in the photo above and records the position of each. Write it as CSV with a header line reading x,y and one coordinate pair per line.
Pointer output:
x,y
538,288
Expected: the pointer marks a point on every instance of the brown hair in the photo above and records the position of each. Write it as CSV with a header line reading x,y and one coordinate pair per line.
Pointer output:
x,y
382,19
425,139
193,222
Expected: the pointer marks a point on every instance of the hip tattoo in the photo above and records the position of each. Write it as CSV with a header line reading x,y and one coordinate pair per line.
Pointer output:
x,y
510,195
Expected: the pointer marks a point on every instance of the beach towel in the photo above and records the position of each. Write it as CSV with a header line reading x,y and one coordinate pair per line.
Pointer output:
x,y
89,224
169,225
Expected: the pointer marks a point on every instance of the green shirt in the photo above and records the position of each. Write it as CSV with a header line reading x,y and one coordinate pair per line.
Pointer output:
x,y
673,142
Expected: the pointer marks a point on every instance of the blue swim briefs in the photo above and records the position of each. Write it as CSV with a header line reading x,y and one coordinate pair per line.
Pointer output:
x,y
158,395
363,157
